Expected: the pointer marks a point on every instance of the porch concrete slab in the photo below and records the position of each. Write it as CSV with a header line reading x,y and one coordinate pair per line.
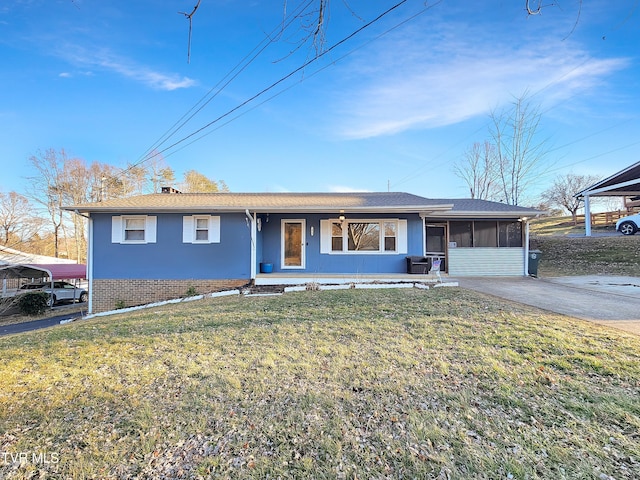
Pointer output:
x,y
612,301
337,279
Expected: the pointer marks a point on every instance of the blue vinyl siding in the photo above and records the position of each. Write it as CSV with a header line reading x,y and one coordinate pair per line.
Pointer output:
x,y
169,258
270,247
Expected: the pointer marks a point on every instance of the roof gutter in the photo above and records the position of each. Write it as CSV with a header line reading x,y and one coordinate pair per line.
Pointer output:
x,y
471,214
609,188
420,209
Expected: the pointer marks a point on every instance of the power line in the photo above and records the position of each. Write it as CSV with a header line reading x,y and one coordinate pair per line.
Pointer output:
x,y
306,77
596,156
419,171
275,84
221,85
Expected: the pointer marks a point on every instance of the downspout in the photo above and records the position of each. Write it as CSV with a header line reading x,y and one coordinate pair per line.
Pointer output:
x,y
587,216
254,234
89,259
526,246
424,235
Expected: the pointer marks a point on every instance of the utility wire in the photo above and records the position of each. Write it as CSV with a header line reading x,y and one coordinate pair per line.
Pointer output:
x,y
276,83
419,171
302,79
221,85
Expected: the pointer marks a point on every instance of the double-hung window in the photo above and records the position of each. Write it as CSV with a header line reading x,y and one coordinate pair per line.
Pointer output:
x,y
133,229
390,236
336,237
201,229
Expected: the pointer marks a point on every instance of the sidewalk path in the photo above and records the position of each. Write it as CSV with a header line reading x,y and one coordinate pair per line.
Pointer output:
x,y
611,301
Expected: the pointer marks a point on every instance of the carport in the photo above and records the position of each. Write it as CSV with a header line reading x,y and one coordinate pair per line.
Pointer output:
x,y
52,271
625,183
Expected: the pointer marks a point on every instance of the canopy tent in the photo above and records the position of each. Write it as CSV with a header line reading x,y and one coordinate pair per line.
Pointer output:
x,y
625,183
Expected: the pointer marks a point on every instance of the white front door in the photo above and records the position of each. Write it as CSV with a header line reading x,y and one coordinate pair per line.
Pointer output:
x,y
293,243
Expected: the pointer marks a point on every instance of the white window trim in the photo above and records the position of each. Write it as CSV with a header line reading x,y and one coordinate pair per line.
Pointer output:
x,y
326,236
189,224
118,223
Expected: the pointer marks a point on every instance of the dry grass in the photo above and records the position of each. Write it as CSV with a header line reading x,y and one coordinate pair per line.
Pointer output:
x,y
565,226
352,384
563,256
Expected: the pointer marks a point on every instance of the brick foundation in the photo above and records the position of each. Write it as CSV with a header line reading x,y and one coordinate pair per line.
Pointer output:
x,y
117,293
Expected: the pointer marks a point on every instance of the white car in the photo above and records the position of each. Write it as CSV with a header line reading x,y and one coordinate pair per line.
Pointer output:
x,y
629,225
62,291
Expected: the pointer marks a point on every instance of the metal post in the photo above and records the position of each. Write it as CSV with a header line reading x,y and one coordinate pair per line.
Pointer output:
x,y
526,247
90,265
587,216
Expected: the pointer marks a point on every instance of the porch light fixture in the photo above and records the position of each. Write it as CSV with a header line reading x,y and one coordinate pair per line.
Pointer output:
x,y
341,218
311,231
259,224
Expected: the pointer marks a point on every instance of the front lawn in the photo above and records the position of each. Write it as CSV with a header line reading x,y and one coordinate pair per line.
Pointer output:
x,y
399,383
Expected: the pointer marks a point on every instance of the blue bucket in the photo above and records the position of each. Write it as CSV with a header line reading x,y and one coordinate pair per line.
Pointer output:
x,y
266,267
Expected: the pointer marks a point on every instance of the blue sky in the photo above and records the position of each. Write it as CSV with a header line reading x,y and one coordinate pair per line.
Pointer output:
x,y
393,107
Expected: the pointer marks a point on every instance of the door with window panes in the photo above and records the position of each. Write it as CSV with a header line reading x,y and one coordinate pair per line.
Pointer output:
x,y
293,243
436,234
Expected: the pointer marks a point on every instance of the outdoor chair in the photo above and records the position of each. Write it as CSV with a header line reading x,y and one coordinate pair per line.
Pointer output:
x,y
435,268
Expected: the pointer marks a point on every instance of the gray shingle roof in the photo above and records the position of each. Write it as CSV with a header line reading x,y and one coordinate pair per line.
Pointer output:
x,y
462,206
298,202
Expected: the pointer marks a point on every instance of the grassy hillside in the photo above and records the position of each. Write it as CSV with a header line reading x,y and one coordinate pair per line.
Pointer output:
x,y
566,251
564,226
352,384
588,255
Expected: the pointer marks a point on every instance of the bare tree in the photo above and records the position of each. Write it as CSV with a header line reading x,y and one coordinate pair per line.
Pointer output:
x,y
562,192
78,185
478,168
61,180
15,217
45,189
520,151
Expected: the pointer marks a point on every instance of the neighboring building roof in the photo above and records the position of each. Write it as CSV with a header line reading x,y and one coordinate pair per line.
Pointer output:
x,y
302,202
10,255
625,182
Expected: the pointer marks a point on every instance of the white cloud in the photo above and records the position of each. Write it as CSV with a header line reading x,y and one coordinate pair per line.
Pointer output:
x,y
106,60
406,85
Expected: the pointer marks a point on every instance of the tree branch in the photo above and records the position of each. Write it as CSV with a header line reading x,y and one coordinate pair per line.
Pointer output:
x,y
190,17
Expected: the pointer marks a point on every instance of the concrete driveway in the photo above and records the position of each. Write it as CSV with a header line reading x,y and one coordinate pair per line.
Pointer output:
x,y
607,300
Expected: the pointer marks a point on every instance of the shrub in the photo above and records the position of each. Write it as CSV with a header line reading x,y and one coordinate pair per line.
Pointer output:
x,y
33,303
191,291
